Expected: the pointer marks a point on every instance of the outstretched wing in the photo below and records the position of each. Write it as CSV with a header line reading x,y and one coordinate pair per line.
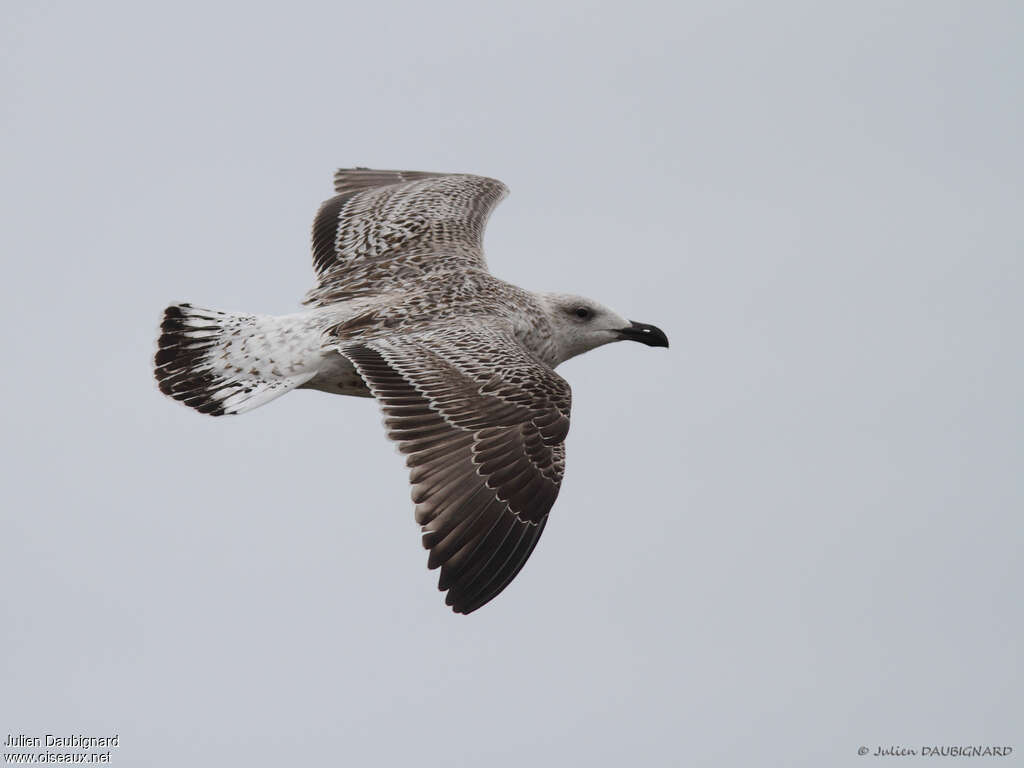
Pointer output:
x,y
483,426
388,226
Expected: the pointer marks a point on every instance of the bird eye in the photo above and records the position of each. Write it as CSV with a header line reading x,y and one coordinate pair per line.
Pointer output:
x,y
582,313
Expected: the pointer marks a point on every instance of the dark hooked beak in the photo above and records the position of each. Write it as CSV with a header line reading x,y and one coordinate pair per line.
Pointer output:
x,y
650,335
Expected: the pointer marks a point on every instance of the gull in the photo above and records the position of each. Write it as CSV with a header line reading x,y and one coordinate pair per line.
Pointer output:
x,y
461,363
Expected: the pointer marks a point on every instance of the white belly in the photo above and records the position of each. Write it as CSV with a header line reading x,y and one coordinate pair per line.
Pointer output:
x,y
339,377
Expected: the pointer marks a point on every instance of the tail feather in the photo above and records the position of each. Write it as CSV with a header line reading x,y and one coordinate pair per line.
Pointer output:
x,y
211,361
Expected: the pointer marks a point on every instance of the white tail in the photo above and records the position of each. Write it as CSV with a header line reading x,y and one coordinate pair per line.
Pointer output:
x,y
224,362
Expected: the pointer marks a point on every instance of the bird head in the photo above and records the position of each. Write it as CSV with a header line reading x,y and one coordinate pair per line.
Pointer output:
x,y
581,324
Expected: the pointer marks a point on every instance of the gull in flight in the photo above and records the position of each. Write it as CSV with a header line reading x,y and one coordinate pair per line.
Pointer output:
x,y
461,363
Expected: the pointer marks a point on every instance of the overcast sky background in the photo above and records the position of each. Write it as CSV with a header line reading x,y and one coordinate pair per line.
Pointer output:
x,y
796,532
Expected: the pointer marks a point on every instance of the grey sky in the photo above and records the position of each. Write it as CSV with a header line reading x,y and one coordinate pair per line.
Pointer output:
x,y
795,532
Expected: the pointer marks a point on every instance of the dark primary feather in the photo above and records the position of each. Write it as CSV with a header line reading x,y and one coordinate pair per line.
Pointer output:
x,y
483,427
351,179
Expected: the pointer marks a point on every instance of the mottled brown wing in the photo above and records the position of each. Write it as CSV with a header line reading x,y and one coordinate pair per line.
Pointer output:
x,y
483,426
386,227
351,179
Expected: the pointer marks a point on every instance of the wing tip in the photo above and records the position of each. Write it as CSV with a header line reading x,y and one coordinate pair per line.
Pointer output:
x,y
361,177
